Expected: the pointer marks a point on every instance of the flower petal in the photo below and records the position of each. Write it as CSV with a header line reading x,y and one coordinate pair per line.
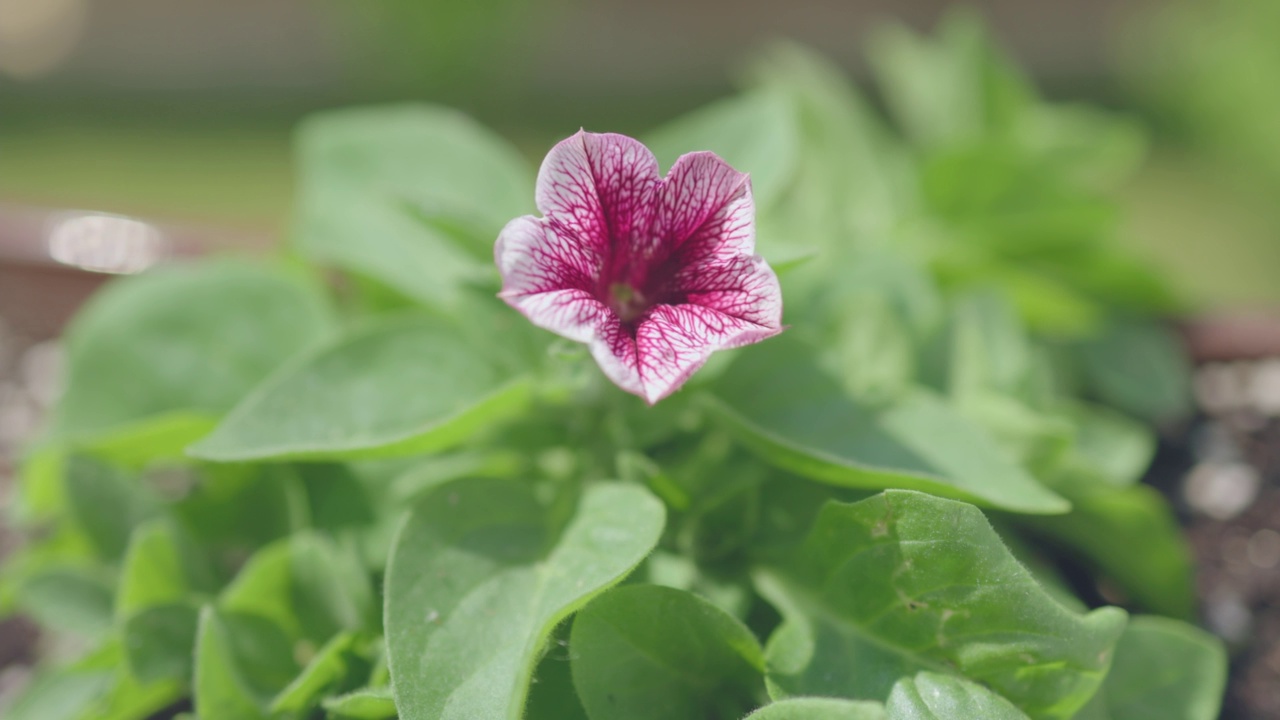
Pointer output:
x,y
597,189
675,340
744,287
705,210
533,258
578,316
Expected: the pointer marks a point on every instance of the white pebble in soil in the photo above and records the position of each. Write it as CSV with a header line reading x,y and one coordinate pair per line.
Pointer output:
x,y
1263,549
1228,617
1221,490
1265,387
1221,387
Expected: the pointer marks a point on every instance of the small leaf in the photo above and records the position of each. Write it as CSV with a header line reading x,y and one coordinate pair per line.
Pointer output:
x,y
183,339
366,704
1163,670
159,568
645,651
814,708
159,641
931,696
107,503
810,426
241,661
70,600
465,647
904,582
395,388
330,590
1140,368
1131,535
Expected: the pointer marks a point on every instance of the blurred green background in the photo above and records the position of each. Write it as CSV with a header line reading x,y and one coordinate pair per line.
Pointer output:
x,y
183,111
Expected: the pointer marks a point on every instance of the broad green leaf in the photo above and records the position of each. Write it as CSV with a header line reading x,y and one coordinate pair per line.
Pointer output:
x,y
1163,670
366,704
159,641
1130,535
465,648
70,600
1140,368
107,503
241,662
412,196
905,582
810,426
820,708
643,651
395,388
932,696
341,665
182,339
757,132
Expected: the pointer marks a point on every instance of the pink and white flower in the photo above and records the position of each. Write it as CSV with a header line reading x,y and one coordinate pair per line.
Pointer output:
x,y
652,273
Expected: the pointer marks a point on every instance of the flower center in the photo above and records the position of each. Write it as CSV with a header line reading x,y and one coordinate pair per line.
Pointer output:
x,y
627,302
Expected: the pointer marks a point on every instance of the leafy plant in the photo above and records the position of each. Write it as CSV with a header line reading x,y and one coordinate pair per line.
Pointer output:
x,y
265,496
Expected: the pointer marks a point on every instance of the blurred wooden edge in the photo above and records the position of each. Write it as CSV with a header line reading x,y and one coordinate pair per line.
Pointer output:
x,y
39,293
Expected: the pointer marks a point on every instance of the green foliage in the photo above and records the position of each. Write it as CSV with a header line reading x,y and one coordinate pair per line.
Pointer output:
x,y
646,650
267,498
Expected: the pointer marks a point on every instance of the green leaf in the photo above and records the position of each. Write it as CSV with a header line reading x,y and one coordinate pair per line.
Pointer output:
x,y
330,589
265,587
757,132
1129,534
162,437
410,195
931,696
1163,670
70,600
182,339
810,426
1117,448
644,651
814,708
94,687
107,503
340,665
159,568
904,582
465,648
1140,368
159,642
395,388
241,662
366,704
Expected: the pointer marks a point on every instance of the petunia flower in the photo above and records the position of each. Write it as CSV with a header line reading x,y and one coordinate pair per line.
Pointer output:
x,y
653,273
